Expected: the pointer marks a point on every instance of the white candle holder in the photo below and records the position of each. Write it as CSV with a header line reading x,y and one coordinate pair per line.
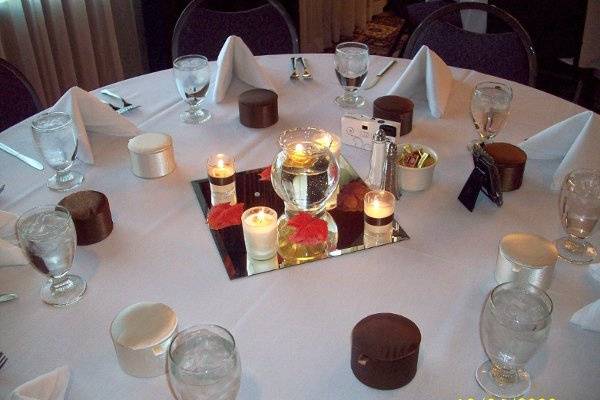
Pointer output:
x,y
260,232
379,208
221,176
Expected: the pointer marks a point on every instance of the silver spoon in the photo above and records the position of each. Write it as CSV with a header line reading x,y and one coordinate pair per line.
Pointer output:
x,y
7,297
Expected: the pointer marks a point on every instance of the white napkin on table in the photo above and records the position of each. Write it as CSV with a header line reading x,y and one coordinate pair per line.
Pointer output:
x,y
589,316
575,140
427,73
236,59
90,115
50,386
10,252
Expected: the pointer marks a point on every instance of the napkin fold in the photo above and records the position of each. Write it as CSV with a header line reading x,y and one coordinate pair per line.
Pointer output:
x,y
90,115
10,252
427,73
50,386
576,141
589,316
236,59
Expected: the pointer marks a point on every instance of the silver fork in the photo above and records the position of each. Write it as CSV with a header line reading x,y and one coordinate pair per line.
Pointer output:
x,y
3,359
2,188
306,74
294,76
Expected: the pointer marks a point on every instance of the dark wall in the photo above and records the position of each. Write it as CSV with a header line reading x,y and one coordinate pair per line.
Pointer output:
x,y
160,17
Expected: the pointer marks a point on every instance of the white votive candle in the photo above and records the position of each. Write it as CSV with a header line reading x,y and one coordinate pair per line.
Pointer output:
x,y
221,176
379,214
260,232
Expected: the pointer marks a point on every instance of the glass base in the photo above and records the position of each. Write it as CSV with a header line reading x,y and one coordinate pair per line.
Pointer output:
x,y
68,291
350,101
511,390
575,251
68,181
195,117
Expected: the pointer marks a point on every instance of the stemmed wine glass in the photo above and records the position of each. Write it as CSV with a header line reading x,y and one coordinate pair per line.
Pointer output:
x,y
579,208
47,235
351,65
203,363
192,77
514,324
56,141
490,105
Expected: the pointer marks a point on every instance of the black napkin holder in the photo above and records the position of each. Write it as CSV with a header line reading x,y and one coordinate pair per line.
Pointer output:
x,y
484,178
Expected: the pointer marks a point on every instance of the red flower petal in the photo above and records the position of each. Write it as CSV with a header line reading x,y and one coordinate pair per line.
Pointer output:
x,y
265,175
309,230
224,215
351,197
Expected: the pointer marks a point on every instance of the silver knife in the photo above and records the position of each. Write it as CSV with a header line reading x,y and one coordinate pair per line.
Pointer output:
x,y
30,161
376,78
7,297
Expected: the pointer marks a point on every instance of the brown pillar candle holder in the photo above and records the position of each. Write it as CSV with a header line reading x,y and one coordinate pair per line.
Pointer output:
x,y
510,160
258,108
395,108
91,215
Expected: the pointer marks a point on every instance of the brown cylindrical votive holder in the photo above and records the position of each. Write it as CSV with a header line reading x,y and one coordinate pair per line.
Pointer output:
x,y
395,108
258,108
385,350
91,215
511,161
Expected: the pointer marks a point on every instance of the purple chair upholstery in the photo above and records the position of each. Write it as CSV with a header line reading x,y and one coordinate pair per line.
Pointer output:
x,y
18,100
508,55
417,12
266,29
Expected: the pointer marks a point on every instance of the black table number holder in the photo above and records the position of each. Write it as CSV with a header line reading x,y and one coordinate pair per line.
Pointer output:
x,y
484,178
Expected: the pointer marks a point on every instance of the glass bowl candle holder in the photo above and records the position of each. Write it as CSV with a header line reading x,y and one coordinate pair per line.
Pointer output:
x,y
305,174
379,206
221,175
334,144
260,232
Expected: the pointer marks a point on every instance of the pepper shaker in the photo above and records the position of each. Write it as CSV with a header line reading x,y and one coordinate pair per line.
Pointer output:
x,y
390,183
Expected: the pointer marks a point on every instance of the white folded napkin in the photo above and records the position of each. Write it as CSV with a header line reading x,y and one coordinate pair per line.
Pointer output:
x,y
575,140
50,386
90,115
589,316
10,252
426,74
236,59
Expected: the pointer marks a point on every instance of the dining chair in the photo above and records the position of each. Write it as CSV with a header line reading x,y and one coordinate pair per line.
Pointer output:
x,y
508,55
266,29
19,100
417,12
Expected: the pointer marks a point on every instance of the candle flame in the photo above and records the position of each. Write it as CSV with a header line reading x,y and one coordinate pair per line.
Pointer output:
x,y
220,163
260,216
299,148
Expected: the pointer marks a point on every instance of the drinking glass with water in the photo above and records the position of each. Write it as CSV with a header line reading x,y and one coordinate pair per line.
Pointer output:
x,y
514,324
203,364
351,61
192,77
490,106
47,235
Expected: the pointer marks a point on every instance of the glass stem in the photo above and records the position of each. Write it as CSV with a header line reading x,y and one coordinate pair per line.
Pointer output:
x,y
349,94
65,174
59,282
503,375
574,244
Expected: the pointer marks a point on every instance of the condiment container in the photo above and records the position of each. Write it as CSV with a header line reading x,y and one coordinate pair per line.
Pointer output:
x,y
141,334
527,258
415,179
258,108
510,160
395,108
151,155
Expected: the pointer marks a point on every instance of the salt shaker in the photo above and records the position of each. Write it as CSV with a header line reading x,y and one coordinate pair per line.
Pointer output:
x,y
390,170
376,179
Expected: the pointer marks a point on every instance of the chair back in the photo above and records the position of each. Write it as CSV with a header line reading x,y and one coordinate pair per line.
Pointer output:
x,y
508,55
266,29
19,100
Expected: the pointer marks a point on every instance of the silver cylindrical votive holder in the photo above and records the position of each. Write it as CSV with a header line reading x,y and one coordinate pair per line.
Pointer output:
x,y
221,176
141,334
151,155
526,257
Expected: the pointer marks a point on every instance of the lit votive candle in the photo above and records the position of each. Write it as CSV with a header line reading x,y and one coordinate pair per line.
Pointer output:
x,y
260,232
221,176
379,208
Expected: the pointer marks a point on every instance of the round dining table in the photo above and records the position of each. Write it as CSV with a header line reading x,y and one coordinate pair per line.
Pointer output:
x,y
293,326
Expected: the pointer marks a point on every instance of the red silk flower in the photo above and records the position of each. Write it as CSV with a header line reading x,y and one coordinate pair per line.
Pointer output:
x,y
351,197
225,215
265,175
308,229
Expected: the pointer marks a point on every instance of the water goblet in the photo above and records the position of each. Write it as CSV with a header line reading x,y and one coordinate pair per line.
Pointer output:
x,y
203,364
514,324
490,105
351,61
47,236
579,208
56,141
192,77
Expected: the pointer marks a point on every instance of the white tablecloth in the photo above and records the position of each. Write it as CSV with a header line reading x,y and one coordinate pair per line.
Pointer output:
x,y
293,326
